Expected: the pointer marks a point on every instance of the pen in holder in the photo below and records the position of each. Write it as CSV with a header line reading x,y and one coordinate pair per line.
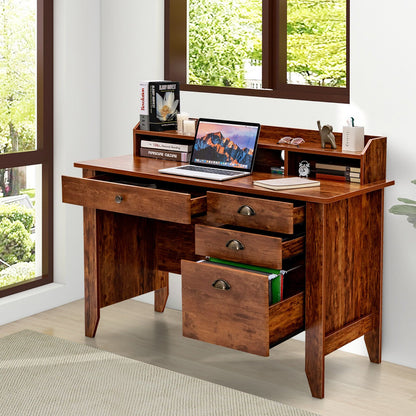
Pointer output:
x,y
353,138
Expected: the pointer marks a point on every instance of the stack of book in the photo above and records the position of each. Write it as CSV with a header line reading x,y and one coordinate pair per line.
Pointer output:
x,y
335,172
168,150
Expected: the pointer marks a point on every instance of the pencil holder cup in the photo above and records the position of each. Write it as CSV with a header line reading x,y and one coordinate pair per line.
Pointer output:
x,y
353,138
181,117
189,127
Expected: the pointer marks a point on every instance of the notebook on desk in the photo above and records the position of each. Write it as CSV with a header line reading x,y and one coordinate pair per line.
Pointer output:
x,y
222,150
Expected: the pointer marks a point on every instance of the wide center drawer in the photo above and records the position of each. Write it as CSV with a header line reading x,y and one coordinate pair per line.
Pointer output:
x,y
136,200
246,247
238,317
250,212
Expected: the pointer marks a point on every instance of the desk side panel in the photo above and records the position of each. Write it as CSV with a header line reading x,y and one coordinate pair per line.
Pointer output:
x,y
126,256
353,254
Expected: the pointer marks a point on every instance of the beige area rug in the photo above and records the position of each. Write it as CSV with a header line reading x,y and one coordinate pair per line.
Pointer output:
x,y
44,375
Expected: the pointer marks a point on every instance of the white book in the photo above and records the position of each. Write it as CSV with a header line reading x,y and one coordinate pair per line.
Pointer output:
x,y
177,147
286,183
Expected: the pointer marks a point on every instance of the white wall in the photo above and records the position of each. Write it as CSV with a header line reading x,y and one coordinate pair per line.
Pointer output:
x,y
382,99
77,137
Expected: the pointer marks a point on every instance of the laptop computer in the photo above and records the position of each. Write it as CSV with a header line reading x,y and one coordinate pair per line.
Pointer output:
x,y
222,150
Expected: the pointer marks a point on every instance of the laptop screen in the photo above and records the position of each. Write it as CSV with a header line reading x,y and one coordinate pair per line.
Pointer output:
x,y
225,144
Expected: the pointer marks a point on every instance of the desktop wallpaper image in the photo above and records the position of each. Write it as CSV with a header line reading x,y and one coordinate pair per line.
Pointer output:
x,y
225,145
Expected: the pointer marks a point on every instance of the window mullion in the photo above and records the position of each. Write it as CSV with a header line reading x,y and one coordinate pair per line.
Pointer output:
x,y
176,28
280,38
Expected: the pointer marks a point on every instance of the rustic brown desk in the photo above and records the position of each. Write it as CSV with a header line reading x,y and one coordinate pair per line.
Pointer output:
x,y
140,224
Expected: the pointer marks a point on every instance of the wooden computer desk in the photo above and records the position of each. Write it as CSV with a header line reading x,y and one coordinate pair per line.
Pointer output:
x,y
140,224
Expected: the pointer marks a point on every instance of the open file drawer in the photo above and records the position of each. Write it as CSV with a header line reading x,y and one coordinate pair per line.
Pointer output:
x,y
105,193
240,317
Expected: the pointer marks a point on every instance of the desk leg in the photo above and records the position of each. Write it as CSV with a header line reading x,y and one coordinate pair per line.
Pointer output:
x,y
373,344
92,307
376,209
161,295
314,300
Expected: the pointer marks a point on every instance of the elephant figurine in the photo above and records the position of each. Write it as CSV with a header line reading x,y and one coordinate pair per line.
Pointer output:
x,y
326,135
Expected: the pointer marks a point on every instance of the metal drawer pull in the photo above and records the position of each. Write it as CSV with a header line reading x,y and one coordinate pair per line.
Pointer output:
x,y
235,245
221,285
246,210
118,199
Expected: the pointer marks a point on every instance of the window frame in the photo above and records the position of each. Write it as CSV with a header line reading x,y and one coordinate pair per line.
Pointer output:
x,y
274,57
43,155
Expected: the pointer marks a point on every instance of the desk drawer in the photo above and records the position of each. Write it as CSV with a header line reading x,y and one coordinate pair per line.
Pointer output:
x,y
141,201
240,317
258,213
245,247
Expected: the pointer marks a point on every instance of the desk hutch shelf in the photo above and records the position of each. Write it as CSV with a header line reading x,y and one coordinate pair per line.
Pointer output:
x,y
371,160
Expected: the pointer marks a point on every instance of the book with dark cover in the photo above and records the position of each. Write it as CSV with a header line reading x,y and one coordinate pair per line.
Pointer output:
x,y
165,154
158,105
332,177
345,173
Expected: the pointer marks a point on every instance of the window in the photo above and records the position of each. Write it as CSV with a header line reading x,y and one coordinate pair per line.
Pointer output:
x,y
275,48
26,154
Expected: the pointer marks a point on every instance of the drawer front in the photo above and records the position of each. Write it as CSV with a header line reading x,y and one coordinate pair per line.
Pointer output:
x,y
257,213
237,318
133,200
245,247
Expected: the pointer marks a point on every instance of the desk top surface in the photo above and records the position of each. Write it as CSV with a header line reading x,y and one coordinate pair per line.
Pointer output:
x,y
329,191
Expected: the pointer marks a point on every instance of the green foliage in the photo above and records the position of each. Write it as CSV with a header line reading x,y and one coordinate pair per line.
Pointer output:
x,y
316,41
17,131
18,74
16,212
18,83
408,209
17,273
15,243
223,34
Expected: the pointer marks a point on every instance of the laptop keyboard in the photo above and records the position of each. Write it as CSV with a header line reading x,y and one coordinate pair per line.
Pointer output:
x,y
210,170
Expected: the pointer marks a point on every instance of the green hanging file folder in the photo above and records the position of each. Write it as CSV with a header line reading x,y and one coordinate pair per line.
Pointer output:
x,y
275,277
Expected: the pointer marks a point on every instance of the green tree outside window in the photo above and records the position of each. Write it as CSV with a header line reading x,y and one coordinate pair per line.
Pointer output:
x,y
225,37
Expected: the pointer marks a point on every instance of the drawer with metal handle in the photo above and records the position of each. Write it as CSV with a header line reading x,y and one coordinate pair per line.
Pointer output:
x,y
230,307
246,247
144,201
258,213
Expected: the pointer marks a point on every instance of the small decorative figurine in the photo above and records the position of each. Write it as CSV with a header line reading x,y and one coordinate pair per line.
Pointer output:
x,y
304,169
326,135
